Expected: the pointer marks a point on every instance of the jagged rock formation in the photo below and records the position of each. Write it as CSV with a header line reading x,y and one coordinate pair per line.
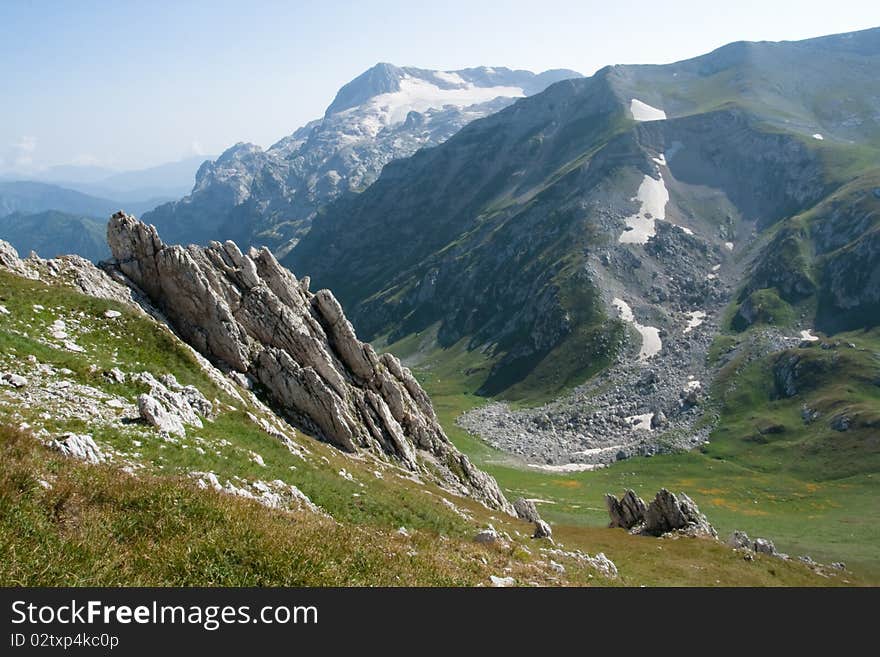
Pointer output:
x,y
626,512
249,315
666,513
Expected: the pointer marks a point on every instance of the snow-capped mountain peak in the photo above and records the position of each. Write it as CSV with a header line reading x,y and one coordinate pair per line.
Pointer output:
x,y
386,113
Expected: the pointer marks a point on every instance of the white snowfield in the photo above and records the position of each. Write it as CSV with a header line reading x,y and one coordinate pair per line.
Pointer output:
x,y
695,318
640,422
651,343
644,112
808,336
818,136
653,197
567,467
420,95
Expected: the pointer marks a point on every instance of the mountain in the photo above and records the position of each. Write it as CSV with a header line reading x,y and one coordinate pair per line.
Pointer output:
x,y
27,196
53,233
31,197
258,197
623,244
53,220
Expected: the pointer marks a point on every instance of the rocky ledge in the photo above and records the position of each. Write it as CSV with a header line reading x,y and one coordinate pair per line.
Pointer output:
x,y
257,321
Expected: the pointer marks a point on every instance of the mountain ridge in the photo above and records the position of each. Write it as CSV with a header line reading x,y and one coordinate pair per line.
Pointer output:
x,y
257,197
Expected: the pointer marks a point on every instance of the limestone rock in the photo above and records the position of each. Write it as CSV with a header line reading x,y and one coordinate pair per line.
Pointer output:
x,y
78,446
158,416
12,379
542,530
603,565
502,582
169,406
740,540
526,510
253,318
487,536
765,546
667,513
628,512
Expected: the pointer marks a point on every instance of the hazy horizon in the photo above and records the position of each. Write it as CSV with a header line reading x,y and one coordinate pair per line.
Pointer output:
x,y
131,87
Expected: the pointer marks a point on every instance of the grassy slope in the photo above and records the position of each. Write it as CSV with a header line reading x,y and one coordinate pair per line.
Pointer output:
x,y
98,526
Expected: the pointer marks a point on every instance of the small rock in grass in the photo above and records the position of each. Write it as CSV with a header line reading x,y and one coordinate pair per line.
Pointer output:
x,y
14,380
487,536
112,314
502,582
78,446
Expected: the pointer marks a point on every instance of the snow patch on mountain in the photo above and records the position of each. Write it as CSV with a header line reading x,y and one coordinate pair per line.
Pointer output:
x,y
644,112
651,343
419,95
653,197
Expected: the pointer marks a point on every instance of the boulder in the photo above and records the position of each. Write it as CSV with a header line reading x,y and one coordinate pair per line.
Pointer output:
x,y
739,540
526,510
14,380
155,414
78,446
667,513
487,536
542,530
502,582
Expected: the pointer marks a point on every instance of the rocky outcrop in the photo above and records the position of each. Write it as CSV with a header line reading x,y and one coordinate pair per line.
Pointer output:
x,y
170,406
666,513
627,512
249,315
78,446
526,510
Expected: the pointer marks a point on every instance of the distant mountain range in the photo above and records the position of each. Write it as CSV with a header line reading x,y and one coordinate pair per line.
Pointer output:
x,y
60,217
159,183
271,197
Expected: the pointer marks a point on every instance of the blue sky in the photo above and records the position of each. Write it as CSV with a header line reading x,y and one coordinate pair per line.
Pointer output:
x,y
133,84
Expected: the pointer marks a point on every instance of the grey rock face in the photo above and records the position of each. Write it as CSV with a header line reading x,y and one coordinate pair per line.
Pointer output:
x,y
249,315
627,512
666,513
526,510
